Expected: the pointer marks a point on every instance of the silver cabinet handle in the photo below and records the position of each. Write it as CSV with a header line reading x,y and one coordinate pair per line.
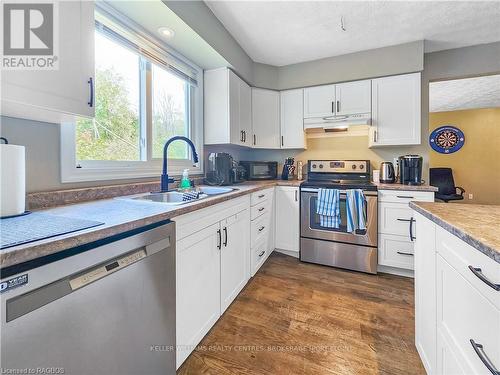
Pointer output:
x,y
403,253
479,349
405,196
241,135
333,110
254,139
262,253
244,136
261,228
412,220
338,106
261,196
479,274
261,209
225,236
398,219
296,198
282,141
219,239
375,136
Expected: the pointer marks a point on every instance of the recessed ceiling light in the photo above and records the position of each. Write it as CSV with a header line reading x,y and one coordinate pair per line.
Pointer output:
x,y
166,32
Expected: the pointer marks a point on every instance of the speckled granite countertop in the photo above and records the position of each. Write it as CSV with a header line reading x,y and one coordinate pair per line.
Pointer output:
x,y
119,216
398,186
475,224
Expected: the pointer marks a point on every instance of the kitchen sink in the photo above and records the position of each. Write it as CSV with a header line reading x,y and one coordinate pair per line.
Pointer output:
x,y
215,190
175,198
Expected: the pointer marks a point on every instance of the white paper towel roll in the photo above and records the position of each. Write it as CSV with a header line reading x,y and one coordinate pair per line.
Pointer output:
x,y
12,180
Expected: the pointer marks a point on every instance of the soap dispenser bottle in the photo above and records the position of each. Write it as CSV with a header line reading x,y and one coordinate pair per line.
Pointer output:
x,y
185,183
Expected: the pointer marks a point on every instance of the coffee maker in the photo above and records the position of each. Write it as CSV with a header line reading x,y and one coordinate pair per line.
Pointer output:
x,y
410,169
223,170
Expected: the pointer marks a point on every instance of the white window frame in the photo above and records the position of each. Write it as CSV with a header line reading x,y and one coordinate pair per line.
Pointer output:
x,y
73,170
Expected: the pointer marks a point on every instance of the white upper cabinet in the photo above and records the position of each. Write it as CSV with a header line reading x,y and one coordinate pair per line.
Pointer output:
x,y
57,95
292,119
265,118
353,97
227,110
396,111
319,101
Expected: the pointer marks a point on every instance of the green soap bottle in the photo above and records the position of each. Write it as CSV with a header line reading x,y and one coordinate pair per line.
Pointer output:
x,y
185,183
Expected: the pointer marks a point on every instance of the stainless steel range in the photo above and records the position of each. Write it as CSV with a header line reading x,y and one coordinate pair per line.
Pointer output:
x,y
336,246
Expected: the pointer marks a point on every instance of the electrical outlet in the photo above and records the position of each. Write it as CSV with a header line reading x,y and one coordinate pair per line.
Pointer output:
x,y
471,196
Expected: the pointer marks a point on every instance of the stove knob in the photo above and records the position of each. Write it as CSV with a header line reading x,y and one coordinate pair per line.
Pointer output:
x,y
321,166
361,166
354,166
314,166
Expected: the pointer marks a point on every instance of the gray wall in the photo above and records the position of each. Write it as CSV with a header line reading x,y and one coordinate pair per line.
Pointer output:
x,y
201,19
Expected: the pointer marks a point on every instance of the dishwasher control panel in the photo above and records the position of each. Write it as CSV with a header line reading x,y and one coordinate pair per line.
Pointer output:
x,y
109,267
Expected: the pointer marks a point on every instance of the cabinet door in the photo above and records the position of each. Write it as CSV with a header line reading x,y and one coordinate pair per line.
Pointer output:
x,y
425,292
198,288
396,110
234,259
287,218
235,130
265,118
52,95
246,112
464,314
353,97
292,119
319,101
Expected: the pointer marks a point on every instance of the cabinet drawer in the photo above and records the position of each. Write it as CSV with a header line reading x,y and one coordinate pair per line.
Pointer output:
x,y
461,255
395,251
405,196
260,228
464,314
395,218
260,251
261,195
260,209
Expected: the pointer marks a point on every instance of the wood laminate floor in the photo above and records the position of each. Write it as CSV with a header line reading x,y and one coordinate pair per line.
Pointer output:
x,y
299,318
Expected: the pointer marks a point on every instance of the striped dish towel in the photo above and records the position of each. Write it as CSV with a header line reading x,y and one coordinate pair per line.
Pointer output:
x,y
355,210
328,208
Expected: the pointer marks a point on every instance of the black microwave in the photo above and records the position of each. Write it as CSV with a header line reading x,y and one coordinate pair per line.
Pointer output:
x,y
260,170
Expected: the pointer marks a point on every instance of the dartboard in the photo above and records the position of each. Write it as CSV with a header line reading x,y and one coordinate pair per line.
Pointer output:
x,y
446,139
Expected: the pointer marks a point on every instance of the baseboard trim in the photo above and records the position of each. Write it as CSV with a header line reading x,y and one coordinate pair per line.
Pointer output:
x,y
294,254
395,271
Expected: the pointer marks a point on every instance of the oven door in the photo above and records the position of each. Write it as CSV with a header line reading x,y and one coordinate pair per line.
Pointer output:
x,y
310,225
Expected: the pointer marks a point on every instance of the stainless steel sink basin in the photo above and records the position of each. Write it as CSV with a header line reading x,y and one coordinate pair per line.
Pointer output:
x,y
174,198
215,190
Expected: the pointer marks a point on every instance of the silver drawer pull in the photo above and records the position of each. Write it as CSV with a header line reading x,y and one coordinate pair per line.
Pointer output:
x,y
405,196
261,209
479,349
261,196
398,219
262,253
261,228
484,279
403,253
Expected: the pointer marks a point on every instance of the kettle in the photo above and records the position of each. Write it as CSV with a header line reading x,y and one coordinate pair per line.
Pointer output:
x,y
387,173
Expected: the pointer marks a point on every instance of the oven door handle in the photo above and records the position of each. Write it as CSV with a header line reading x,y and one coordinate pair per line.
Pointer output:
x,y
366,193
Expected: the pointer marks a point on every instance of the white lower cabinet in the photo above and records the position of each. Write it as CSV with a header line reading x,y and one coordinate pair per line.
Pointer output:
x,y
287,218
212,267
234,257
261,228
397,228
457,312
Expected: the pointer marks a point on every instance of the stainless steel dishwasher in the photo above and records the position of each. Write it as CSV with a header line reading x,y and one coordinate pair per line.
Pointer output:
x,y
107,310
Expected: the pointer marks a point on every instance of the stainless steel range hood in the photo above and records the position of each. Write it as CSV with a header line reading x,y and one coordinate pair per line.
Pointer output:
x,y
336,123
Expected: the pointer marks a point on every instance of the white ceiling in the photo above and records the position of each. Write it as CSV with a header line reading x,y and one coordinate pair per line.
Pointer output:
x,y
287,32
468,93
153,14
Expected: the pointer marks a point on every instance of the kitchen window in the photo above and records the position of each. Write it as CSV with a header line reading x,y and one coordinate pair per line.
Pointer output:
x,y
144,95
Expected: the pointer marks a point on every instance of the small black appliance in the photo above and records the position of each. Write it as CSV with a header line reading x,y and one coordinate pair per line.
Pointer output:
x,y
410,169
